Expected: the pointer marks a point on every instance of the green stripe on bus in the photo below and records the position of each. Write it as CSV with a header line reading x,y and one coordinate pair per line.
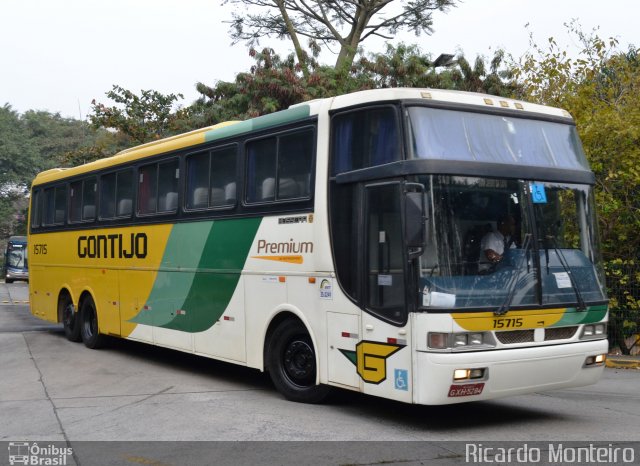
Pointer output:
x,y
262,122
574,317
225,252
212,256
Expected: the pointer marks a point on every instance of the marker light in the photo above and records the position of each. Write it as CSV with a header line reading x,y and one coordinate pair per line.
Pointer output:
x,y
438,340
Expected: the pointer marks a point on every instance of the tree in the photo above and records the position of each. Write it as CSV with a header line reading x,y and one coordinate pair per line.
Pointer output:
x,y
346,23
30,143
601,89
274,83
143,118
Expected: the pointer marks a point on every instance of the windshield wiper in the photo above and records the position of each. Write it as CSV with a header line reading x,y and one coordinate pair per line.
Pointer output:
x,y
513,281
567,269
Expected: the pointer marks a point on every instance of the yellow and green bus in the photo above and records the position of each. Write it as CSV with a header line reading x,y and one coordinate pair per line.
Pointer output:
x,y
343,242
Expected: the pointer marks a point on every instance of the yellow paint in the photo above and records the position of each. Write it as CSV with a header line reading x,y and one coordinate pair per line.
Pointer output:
x,y
513,320
288,259
119,286
371,358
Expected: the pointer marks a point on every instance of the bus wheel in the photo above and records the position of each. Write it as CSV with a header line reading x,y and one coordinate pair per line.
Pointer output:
x,y
89,325
8,280
70,318
291,361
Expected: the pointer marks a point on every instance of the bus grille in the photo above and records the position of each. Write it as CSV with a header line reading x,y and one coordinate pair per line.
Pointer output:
x,y
561,333
515,336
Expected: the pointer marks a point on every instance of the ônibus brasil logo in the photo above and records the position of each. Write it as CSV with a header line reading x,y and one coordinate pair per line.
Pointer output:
x,y
33,454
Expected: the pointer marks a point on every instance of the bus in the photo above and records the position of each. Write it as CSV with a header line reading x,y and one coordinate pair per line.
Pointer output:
x,y
16,264
338,243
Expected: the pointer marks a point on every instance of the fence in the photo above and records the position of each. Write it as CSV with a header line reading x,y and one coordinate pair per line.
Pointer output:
x,y
623,287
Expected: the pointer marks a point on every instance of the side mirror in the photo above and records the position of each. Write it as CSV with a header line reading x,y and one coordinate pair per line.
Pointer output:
x,y
414,225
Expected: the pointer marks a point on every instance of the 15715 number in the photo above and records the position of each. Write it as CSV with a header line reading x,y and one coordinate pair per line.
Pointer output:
x,y
508,323
39,248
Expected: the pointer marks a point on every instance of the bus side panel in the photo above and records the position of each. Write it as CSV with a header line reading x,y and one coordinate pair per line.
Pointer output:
x,y
106,296
226,338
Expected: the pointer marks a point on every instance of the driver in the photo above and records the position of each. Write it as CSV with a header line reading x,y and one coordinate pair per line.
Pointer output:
x,y
495,243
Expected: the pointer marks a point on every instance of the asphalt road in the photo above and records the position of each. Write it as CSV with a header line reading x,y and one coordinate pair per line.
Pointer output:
x,y
57,391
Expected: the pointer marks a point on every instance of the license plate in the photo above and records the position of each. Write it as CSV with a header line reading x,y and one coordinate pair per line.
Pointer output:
x,y
466,390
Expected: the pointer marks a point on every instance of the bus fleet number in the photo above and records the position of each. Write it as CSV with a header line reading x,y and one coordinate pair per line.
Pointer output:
x,y
508,323
39,248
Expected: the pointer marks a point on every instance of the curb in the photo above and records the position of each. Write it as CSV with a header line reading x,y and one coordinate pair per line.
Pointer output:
x,y
623,363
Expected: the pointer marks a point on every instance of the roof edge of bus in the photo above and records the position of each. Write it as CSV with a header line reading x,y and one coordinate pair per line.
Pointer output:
x,y
176,137
133,153
181,141
447,96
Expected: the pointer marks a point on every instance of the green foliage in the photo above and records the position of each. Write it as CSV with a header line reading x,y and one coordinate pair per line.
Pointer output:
x,y
274,83
143,118
30,143
601,89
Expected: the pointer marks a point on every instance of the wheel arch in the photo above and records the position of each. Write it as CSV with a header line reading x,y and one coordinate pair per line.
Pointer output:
x,y
65,290
279,316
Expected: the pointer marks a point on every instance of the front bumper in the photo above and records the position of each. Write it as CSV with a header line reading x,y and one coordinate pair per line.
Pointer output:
x,y
508,372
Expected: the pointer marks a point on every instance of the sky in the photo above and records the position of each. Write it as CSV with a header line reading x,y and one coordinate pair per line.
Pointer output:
x,y
58,55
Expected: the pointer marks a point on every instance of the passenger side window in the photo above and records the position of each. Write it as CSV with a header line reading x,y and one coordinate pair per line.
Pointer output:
x,y
82,200
158,187
279,167
55,200
211,179
36,209
116,194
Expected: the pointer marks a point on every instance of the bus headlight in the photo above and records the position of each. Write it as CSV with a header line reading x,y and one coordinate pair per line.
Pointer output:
x,y
461,341
594,331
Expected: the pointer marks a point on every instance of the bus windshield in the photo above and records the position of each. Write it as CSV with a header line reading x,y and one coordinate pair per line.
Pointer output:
x,y
497,243
16,255
477,137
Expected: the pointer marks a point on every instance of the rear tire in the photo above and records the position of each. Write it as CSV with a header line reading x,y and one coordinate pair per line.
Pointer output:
x,y
70,318
291,360
89,329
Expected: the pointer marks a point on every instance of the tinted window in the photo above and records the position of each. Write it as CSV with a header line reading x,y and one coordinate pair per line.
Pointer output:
x,y
158,187
36,208
279,167
365,138
116,194
82,200
55,199
211,178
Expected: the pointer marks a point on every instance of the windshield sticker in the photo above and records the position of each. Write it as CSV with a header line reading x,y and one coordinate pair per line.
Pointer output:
x,y
385,280
437,299
562,280
538,193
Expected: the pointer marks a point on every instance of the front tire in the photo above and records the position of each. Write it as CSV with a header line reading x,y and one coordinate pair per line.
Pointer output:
x,y
70,319
89,330
291,360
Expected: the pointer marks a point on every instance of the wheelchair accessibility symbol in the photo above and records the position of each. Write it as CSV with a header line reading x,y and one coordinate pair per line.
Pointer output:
x,y
401,377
